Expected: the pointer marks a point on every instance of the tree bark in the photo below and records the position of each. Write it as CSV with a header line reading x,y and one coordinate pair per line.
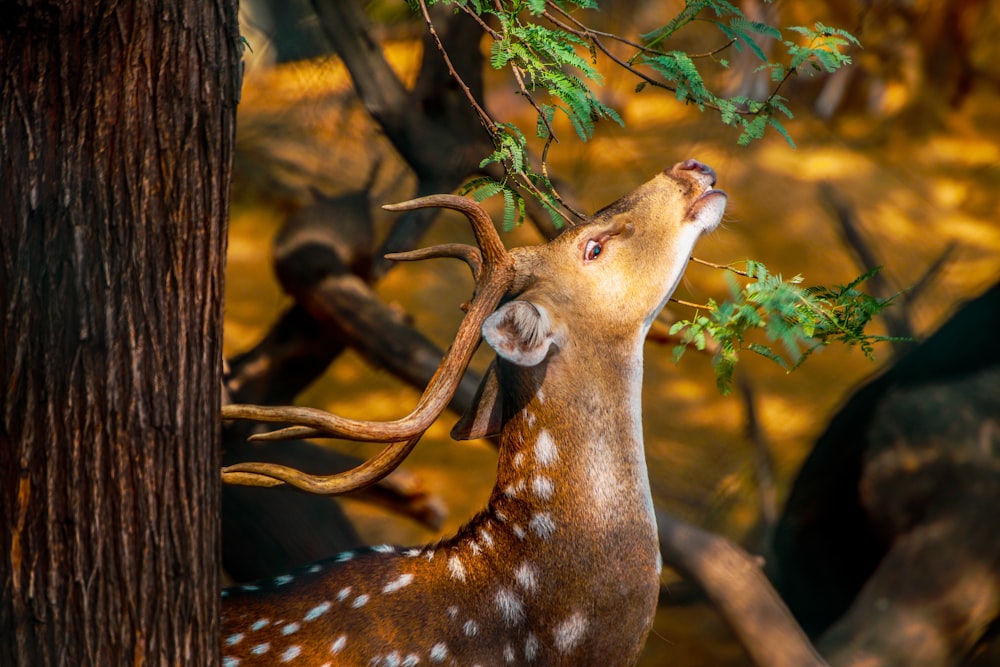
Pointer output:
x,y
116,137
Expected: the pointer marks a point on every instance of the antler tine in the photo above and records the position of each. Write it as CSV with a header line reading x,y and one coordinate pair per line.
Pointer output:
x,y
365,474
312,422
494,252
496,276
468,254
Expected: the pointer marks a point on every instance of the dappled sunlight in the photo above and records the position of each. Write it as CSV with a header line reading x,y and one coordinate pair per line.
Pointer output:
x,y
654,109
912,193
818,164
253,298
964,152
949,193
975,232
275,88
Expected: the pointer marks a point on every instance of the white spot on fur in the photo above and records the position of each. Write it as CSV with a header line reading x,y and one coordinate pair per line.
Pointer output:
x,y
412,553
383,548
659,562
542,525
249,588
569,633
401,581
453,611
290,628
230,662
233,640
338,644
540,396
315,568
290,653
411,660
500,516
527,576
317,611
512,490
518,531
471,628
509,606
262,623
486,538
391,660
542,486
344,592
518,460
545,449
430,555
529,418
474,547
360,601
439,652
345,556
531,647
456,568
508,654
260,649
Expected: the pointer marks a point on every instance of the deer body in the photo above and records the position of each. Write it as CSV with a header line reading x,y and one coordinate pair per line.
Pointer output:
x,y
562,567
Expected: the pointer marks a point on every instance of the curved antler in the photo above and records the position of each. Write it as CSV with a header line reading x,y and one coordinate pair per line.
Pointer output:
x,y
494,278
369,472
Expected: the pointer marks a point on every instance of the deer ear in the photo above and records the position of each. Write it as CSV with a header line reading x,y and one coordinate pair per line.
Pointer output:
x,y
484,417
520,332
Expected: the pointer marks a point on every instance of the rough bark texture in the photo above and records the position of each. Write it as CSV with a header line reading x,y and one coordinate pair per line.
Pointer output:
x,y
116,137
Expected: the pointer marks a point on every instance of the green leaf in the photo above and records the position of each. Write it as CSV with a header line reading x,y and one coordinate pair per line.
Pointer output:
x,y
509,209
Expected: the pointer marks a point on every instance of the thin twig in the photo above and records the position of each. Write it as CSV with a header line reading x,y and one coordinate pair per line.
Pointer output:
x,y
586,33
478,19
698,306
487,120
727,267
534,189
484,117
600,33
518,76
709,54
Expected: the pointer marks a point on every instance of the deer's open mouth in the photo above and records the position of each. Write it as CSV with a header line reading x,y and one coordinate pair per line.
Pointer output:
x,y
708,208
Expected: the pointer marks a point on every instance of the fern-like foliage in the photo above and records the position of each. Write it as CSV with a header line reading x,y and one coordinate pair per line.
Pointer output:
x,y
797,320
553,54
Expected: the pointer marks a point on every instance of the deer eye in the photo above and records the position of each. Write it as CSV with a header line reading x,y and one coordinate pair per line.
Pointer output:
x,y
592,250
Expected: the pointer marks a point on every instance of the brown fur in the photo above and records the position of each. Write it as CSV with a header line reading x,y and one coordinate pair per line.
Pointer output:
x,y
562,567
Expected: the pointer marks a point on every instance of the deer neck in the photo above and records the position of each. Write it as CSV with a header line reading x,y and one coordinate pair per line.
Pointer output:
x,y
572,471
573,445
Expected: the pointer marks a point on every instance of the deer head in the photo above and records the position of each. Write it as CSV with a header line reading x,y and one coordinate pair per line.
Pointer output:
x,y
562,566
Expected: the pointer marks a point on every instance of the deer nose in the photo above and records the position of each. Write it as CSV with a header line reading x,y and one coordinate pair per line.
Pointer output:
x,y
700,167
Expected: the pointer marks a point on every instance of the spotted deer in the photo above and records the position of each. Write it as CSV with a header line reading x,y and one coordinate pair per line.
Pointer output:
x,y
562,567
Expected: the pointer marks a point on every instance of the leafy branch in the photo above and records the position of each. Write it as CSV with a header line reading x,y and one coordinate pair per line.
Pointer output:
x,y
798,319
553,56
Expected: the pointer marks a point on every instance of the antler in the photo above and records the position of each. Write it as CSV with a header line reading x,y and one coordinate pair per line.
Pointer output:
x,y
493,268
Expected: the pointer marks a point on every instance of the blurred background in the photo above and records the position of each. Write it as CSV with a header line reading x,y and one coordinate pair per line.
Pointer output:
x,y
896,162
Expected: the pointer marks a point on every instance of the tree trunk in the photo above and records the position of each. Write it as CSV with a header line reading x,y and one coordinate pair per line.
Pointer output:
x,y
116,137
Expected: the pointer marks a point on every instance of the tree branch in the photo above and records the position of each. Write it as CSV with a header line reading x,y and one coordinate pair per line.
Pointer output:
x,y
733,581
